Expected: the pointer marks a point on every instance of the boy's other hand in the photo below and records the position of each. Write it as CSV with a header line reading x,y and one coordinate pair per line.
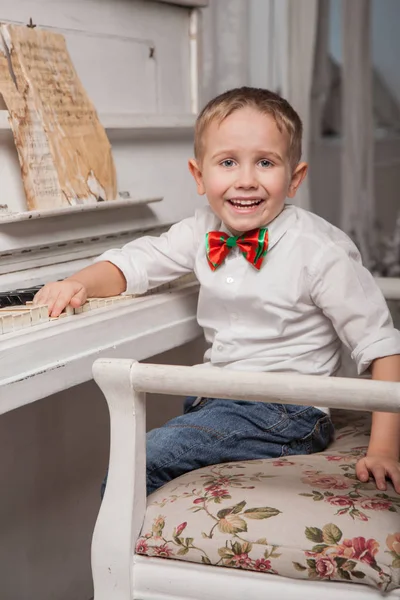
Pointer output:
x,y
381,467
59,294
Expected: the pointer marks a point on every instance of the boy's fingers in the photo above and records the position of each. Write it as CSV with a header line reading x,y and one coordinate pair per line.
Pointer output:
x,y
46,296
39,298
394,475
56,308
45,300
78,299
362,471
379,474
56,299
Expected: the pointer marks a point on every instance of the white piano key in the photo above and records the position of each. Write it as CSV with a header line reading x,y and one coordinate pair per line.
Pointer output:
x,y
21,320
7,323
33,312
15,309
18,317
68,310
117,300
63,315
43,314
93,303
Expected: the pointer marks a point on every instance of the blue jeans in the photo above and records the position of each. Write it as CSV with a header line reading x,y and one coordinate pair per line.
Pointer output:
x,y
215,431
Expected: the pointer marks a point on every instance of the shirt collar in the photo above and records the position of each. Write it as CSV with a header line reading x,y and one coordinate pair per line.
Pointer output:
x,y
278,227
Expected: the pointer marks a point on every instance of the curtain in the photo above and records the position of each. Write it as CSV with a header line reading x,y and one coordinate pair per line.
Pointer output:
x,y
321,83
358,127
225,47
296,39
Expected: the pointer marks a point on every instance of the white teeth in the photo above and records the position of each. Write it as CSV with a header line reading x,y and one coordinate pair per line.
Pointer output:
x,y
245,202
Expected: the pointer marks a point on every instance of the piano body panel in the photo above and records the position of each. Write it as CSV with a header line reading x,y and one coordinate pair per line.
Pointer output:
x,y
55,356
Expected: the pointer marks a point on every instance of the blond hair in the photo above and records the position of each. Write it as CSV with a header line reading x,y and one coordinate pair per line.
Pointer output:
x,y
267,102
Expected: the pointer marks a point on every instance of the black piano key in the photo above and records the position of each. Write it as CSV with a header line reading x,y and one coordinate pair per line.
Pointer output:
x,y
18,297
4,301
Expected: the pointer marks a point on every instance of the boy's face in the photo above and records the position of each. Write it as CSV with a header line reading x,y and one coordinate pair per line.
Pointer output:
x,y
245,170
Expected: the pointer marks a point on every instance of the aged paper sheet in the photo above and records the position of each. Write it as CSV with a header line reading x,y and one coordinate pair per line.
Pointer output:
x,y
63,150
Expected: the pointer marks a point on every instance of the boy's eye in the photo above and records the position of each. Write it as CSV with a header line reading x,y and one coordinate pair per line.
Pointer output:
x,y
228,162
265,163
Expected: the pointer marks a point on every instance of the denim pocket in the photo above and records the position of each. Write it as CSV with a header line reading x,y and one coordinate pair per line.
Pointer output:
x,y
190,404
322,434
266,416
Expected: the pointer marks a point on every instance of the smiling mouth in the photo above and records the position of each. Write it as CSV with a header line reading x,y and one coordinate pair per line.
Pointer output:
x,y
241,203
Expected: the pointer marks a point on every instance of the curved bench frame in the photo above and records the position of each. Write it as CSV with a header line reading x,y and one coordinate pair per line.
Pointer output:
x,y
118,573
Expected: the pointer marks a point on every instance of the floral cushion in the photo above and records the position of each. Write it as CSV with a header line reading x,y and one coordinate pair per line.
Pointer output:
x,y
306,517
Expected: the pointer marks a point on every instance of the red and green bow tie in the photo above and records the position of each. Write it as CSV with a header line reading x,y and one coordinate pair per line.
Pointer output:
x,y
253,244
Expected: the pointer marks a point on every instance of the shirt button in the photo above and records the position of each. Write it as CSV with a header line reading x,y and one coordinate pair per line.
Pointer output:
x,y
220,348
229,280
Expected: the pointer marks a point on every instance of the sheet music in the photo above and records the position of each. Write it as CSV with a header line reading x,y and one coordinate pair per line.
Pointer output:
x,y
39,175
64,152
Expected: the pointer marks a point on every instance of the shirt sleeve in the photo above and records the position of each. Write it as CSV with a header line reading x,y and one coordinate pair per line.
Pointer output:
x,y
348,295
151,261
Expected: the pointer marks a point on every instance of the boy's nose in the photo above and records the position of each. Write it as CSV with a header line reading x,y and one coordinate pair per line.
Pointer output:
x,y
246,179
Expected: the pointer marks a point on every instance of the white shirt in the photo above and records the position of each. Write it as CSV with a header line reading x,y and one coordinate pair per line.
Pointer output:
x,y
311,294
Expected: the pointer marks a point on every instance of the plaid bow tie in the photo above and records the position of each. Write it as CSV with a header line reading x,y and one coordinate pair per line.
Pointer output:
x,y
253,244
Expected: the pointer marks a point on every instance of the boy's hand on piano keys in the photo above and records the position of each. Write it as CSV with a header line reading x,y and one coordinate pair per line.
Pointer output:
x,y
59,294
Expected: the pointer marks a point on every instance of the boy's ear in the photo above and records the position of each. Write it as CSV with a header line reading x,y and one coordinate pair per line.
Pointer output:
x,y
195,170
297,178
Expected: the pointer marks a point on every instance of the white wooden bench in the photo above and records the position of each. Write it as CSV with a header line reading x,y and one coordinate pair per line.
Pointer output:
x,y
279,529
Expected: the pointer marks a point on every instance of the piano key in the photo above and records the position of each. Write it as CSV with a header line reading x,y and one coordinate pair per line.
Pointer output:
x,y
37,315
21,320
6,323
15,321
21,317
61,316
4,300
18,297
34,313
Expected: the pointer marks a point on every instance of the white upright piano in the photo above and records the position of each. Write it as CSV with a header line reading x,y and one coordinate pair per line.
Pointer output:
x,y
137,60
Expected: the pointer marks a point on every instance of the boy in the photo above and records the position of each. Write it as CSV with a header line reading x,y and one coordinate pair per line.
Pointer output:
x,y
280,289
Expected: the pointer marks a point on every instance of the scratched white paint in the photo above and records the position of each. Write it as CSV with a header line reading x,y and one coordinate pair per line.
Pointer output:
x,y
95,186
7,39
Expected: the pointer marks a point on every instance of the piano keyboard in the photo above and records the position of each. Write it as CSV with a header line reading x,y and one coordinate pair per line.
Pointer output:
x,y
17,316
